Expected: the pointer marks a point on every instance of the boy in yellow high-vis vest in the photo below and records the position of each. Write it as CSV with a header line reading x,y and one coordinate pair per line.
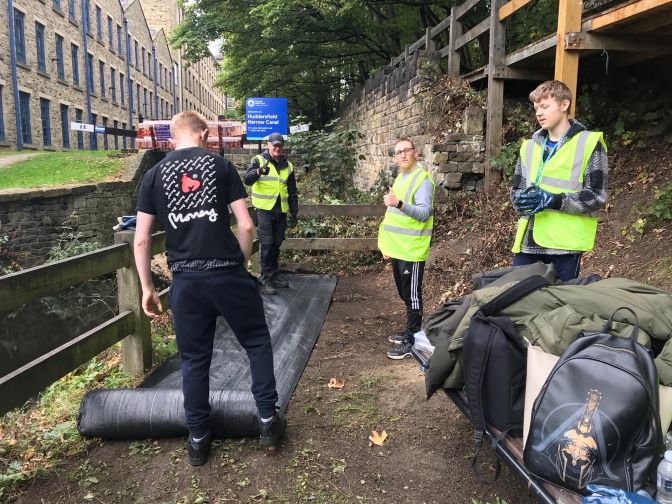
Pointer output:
x,y
559,185
405,236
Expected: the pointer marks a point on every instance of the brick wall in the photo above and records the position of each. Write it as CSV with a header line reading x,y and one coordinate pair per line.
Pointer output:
x,y
390,105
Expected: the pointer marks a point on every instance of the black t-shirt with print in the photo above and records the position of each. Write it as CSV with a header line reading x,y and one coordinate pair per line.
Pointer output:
x,y
189,191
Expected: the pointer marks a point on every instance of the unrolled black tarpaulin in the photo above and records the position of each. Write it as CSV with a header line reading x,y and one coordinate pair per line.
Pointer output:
x,y
295,317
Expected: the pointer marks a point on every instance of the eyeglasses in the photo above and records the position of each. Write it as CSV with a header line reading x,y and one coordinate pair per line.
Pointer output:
x,y
404,151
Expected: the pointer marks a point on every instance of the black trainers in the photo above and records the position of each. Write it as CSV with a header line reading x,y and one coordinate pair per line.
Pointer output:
x,y
401,351
399,338
270,433
198,451
267,288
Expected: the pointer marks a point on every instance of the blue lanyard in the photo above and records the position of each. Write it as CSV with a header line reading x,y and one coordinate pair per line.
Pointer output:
x,y
545,160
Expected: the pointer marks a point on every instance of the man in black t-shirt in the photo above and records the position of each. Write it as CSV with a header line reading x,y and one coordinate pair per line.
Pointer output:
x,y
189,192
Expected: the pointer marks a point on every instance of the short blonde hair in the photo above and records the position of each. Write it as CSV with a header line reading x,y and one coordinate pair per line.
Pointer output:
x,y
404,139
551,89
187,120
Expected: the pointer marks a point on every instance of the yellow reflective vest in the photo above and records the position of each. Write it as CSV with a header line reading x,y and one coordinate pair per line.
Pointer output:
x,y
266,190
400,236
563,173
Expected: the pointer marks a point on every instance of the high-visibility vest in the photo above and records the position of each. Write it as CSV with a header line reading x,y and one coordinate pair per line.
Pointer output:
x,y
563,173
400,236
266,190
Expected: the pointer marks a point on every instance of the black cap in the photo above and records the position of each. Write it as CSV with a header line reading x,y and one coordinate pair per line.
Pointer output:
x,y
276,139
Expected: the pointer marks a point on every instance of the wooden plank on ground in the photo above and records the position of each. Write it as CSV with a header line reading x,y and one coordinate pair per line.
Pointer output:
x,y
28,380
330,244
477,30
342,210
510,7
30,284
625,13
567,62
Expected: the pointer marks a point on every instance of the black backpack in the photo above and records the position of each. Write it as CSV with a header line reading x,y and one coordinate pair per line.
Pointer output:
x,y
495,367
596,419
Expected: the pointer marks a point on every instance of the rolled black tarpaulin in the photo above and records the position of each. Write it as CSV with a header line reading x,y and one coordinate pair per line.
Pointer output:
x,y
155,409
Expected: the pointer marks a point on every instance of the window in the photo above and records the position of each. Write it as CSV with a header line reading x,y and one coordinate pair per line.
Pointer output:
x,y
144,102
160,76
87,16
72,15
136,54
119,41
2,118
99,24
144,70
110,33
113,84
115,124
101,72
152,112
24,113
19,37
89,72
137,96
121,87
65,130
74,50
93,139
60,69
106,145
57,5
123,138
149,65
80,135
172,113
46,123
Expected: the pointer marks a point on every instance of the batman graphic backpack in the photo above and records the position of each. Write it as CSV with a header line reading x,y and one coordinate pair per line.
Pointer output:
x,y
596,419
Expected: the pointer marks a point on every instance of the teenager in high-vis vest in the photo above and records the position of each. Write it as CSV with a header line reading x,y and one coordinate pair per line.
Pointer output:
x,y
559,185
273,195
405,236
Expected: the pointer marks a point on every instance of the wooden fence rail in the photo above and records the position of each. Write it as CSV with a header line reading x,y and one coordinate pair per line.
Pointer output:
x,y
131,326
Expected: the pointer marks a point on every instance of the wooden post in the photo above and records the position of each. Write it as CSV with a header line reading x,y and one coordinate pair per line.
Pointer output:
x,y
429,43
567,62
455,31
136,348
495,107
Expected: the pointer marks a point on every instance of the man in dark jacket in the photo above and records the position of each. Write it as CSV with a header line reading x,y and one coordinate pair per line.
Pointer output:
x,y
273,195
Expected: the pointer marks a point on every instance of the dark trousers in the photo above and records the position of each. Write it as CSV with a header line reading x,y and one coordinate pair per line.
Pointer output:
x,y
567,266
271,226
196,300
408,278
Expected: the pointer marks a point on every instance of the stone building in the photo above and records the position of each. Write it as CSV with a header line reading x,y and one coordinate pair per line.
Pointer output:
x,y
101,62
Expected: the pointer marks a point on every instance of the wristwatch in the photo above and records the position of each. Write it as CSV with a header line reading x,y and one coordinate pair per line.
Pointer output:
x,y
400,204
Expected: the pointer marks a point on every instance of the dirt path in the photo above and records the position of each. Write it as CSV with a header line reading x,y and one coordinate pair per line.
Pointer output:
x,y
9,160
326,458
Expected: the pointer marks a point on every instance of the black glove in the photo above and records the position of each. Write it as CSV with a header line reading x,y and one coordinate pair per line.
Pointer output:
x,y
291,222
264,170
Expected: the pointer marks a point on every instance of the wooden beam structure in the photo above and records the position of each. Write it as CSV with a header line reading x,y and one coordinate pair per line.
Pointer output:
x,y
32,283
361,244
567,62
510,7
477,30
495,104
28,380
454,56
584,41
461,10
624,14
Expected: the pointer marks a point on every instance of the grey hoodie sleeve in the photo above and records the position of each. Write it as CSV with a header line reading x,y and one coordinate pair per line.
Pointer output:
x,y
423,200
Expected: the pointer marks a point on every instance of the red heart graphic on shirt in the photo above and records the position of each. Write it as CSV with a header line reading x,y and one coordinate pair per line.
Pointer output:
x,y
189,184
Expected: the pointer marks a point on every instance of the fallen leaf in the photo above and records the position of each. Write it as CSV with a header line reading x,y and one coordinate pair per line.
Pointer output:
x,y
88,496
336,383
377,439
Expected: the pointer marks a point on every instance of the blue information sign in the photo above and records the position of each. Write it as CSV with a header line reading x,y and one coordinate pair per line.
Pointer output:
x,y
264,116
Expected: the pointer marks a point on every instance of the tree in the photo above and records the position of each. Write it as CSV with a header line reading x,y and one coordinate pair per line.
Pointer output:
x,y
310,51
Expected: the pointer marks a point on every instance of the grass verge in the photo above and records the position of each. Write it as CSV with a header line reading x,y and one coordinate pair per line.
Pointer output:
x,y
56,168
